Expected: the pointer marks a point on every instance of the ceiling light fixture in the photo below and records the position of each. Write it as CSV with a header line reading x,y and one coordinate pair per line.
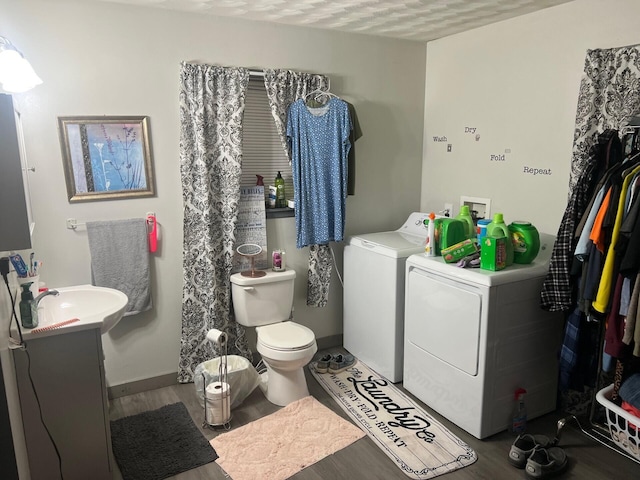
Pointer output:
x,y
16,73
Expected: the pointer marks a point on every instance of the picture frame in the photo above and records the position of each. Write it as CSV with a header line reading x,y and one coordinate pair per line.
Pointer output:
x,y
106,158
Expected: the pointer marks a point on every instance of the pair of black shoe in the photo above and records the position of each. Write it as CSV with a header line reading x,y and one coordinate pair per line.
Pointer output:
x,y
538,455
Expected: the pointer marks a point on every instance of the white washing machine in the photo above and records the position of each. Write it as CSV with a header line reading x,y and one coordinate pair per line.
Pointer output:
x,y
472,337
374,266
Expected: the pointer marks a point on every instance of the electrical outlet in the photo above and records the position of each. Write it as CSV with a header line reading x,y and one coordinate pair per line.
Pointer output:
x,y
448,207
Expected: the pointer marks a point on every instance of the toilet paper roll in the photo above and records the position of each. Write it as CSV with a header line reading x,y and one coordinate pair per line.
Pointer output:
x,y
217,390
218,403
217,337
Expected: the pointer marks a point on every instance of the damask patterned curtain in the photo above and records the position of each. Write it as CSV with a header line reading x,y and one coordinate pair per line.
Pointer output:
x,y
211,111
283,88
609,97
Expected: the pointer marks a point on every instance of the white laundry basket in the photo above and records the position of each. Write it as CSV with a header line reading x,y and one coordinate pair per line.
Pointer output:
x,y
624,427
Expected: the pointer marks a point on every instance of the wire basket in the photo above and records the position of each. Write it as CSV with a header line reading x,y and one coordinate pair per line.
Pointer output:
x,y
624,427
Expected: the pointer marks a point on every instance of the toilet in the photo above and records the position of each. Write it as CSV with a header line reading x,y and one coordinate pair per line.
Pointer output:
x,y
286,347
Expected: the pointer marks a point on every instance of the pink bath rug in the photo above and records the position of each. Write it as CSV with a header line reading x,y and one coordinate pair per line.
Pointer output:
x,y
281,444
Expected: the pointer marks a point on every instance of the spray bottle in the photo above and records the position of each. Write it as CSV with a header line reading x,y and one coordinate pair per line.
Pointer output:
x,y
430,248
519,417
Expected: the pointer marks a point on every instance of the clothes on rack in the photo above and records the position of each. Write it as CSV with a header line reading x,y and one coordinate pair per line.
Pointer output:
x,y
602,275
558,288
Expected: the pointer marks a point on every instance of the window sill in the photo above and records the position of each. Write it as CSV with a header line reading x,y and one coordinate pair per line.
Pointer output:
x,y
280,212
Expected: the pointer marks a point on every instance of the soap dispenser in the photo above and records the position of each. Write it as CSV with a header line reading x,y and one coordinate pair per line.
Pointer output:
x,y
28,307
281,200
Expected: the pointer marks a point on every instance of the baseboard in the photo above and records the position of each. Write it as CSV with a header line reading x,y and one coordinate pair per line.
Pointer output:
x,y
331,341
169,379
145,385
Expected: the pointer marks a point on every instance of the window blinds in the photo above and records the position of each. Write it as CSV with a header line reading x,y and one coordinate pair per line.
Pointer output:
x,y
262,152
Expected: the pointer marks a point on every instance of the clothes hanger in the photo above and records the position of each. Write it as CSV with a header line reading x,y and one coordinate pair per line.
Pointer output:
x,y
318,94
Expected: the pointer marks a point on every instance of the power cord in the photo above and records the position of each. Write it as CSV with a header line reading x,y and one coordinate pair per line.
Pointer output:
x,y
4,271
335,264
22,345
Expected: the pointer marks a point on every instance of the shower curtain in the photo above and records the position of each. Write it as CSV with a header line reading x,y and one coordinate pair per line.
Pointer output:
x,y
211,111
283,88
609,96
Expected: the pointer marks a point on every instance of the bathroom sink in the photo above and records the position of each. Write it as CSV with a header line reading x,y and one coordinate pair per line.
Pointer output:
x,y
89,304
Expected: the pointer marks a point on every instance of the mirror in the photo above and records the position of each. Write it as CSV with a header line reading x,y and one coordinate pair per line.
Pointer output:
x,y
251,250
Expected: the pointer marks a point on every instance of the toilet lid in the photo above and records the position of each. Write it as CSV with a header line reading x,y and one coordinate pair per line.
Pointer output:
x,y
285,336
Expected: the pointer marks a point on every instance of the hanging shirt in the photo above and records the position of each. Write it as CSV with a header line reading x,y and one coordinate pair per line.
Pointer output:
x,y
319,141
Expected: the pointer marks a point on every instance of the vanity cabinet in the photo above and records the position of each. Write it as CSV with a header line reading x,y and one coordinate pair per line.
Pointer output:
x,y
68,374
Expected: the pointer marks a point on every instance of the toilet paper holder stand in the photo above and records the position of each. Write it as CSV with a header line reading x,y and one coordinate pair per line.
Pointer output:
x,y
223,417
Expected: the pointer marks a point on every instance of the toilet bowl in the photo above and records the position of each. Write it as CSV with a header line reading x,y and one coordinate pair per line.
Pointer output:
x,y
285,346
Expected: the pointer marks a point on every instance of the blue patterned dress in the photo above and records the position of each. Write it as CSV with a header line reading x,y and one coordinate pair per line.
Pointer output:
x,y
319,140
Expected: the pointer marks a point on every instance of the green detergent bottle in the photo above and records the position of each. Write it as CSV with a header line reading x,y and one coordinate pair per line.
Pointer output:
x,y
465,217
526,242
497,228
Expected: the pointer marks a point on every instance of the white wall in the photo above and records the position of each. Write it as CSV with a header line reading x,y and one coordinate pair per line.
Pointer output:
x,y
517,83
109,59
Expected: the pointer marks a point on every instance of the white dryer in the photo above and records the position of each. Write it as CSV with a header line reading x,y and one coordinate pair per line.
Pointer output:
x,y
472,337
374,266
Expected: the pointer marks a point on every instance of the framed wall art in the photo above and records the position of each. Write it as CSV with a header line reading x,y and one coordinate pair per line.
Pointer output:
x,y
106,158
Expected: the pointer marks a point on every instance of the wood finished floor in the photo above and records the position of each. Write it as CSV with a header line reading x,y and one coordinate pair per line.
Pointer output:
x,y
588,459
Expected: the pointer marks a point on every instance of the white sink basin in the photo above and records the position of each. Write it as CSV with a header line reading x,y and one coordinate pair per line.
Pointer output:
x,y
87,303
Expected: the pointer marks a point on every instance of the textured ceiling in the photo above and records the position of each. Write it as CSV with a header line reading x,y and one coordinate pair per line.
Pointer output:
x,y
421,20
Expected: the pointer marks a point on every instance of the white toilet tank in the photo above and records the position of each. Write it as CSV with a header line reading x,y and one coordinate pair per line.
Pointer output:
x,y
262,300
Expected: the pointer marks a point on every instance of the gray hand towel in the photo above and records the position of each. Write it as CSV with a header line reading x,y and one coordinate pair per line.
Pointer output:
x,y
120,260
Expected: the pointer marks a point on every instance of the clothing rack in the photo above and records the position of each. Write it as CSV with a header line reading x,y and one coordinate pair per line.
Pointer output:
x,y
598,419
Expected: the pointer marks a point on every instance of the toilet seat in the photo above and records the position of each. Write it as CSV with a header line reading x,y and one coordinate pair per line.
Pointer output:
x,y
286,336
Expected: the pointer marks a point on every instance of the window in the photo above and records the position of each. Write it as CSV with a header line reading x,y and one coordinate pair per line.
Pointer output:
x,y
262,152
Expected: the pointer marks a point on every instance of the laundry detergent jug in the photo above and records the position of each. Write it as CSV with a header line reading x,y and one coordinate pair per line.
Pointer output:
x,y
497,228
526,242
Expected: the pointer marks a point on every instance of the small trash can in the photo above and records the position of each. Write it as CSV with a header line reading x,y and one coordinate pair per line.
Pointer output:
x,y
242,378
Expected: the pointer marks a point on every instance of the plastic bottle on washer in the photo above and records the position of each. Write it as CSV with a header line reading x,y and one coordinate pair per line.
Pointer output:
x,y
465,217
430,248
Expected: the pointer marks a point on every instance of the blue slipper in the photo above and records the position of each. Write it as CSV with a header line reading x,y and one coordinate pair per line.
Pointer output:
x,y
341,362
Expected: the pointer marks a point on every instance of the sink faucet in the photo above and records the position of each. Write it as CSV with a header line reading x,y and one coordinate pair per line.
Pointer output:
x,y
44,294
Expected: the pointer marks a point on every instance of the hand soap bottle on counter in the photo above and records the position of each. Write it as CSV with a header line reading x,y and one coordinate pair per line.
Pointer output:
x,y
28,307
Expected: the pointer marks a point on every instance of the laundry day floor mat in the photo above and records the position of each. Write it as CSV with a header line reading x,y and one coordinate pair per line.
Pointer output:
x,y
420,445
159,443
279,445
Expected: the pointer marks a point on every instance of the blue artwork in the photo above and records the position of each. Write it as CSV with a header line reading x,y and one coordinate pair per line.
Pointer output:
x,y
117,157
106,157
